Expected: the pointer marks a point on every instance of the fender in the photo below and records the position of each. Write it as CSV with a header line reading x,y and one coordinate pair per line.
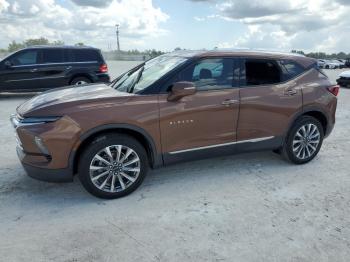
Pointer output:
x,y
157,159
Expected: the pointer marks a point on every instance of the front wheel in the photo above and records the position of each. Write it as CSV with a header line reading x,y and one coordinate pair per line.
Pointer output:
x,y
112,166
304,140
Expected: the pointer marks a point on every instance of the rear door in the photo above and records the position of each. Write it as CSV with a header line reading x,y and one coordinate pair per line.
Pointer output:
x,y
53,68
270,97
23,74
199,124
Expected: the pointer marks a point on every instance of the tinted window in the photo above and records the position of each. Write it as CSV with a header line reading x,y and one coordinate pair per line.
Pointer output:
x,y
53,56
290,69
210,74
87,55
261,72
28,57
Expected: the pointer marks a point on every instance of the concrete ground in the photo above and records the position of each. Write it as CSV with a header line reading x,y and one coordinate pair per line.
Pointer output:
x,y
249,207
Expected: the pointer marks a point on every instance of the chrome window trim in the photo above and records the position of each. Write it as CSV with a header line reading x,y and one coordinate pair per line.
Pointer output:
x,y
254,140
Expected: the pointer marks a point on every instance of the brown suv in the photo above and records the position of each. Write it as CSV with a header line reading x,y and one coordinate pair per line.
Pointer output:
x,y
176,107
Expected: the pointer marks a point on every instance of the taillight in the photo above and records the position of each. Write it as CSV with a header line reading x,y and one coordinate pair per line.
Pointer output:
x,y
333,89
103,68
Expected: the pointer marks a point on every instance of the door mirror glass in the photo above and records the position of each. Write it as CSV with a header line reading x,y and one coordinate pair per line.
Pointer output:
x,y
180,90
8,64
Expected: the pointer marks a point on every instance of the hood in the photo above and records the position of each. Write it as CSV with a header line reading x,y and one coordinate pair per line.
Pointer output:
x,y
345,74
64,95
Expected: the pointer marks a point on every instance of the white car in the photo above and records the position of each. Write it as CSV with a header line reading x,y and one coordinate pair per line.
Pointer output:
x,y
320,63
331,64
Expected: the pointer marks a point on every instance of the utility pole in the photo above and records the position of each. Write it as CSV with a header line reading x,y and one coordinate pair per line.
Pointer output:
x,y
118,45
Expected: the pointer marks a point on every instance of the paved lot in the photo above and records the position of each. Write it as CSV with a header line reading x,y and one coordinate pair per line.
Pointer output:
x,y
250,207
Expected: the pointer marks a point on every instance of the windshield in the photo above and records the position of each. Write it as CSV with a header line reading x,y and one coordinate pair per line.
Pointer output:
x,y
146,74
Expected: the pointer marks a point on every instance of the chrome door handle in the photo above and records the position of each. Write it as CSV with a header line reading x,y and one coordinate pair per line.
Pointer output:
x,y
290,92
229,102
34,70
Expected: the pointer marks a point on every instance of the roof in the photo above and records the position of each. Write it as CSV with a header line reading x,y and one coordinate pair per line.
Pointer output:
x,y
232,52
61,46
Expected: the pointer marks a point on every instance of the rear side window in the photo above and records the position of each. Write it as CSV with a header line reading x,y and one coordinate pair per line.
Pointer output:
x,y
290,69
52,56
260,72
28,57
85,55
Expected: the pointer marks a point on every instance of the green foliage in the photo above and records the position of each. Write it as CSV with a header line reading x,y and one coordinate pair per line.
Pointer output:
x,y
322,55
79,44
14,46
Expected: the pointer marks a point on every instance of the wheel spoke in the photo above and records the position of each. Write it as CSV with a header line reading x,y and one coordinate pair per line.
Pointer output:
x,y
121,182
127,154
128,177
119,151
102,159
136,159
108,152
112,183
135,169
97,167
105,182
99,176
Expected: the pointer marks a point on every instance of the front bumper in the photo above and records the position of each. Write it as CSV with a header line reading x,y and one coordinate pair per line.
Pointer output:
x,y
45,174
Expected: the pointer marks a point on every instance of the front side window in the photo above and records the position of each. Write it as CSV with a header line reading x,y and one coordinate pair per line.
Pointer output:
x,y
211,74
28,57
260,72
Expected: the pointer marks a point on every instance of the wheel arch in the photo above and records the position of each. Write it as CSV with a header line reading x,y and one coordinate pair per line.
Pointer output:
x,y
76,75
155,159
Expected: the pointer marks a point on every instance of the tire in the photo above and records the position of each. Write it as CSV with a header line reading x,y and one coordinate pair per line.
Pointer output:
x,y
80,81
300,147
326,67
98,175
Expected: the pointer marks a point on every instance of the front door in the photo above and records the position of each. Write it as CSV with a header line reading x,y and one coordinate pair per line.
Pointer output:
x,y
206,120
23,74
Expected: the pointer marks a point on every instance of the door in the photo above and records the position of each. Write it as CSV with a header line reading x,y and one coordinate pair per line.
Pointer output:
x,y
23,72
206,120
270,97
53,68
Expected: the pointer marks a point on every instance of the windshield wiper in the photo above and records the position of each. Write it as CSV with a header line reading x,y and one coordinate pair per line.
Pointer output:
x,y
128,73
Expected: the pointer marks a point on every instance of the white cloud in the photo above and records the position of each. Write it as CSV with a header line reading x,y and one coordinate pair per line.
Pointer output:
x,y
93,23
311,25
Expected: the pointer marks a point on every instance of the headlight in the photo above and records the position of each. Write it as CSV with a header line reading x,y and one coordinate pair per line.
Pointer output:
x,y
19,121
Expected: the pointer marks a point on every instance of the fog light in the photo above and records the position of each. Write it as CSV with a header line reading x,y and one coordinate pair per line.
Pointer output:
x,y
40,144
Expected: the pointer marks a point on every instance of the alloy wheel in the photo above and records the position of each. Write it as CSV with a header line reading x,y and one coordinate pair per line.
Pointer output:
x,y
115,168
306,141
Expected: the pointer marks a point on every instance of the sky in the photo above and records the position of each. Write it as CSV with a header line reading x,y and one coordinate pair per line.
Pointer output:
x,y
309,25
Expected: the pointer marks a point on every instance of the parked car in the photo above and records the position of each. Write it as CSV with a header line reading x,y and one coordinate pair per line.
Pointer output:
x,y
347,63
176,107
321,63
331,64
341,63
44,67
344,79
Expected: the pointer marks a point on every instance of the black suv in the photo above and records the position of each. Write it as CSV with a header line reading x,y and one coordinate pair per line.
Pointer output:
x,y
43,67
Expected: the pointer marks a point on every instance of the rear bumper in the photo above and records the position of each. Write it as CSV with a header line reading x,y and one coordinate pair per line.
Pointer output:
x,y
103,78
45,174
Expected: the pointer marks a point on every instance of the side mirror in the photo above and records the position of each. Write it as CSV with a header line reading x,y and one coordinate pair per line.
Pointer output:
x,y
181,89
8,64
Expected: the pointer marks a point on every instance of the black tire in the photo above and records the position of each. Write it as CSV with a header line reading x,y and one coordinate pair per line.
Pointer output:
x,y
327,67
94,148
80,80
288,151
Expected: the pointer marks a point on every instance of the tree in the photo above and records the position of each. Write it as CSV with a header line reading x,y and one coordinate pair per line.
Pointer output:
x,y
79,44
14,46
36,41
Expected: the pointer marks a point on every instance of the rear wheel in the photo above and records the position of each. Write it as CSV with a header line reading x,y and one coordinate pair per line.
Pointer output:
x,y
80,81
304,140
113,166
